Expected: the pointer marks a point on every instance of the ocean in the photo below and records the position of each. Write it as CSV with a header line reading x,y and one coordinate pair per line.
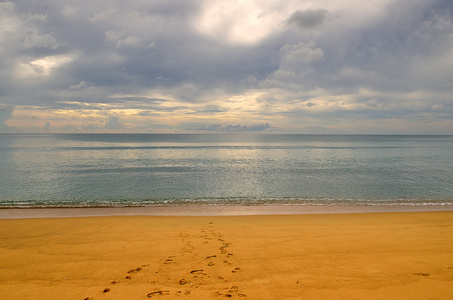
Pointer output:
x,y
109,170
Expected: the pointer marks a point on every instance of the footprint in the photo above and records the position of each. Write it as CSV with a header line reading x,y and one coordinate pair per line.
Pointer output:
x,y
158,293
220,294
229,293
134,270
420,274
106,290
236,270
234,289
222,249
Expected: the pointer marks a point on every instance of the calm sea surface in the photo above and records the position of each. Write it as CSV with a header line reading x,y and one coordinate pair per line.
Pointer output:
x,y
159,169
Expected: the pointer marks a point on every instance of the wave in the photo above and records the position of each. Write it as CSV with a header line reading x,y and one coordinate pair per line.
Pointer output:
x,y
222,202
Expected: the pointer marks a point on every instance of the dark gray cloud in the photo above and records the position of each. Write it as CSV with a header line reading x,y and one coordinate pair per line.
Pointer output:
x,y
385,53
307,19
126,48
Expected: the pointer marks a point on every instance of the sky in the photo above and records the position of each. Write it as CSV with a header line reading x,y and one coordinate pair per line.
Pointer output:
x,y
185,66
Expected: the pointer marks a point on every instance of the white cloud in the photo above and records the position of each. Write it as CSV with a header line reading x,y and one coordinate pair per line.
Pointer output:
x,y
438,106
121,40
243,22
373,102
103,15
36,40
301,53
130,41
70,12
231,127
81,85
113,123
41,67
5,114
114,36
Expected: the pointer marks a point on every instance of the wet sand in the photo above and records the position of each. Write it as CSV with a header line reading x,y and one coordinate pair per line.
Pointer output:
x,y
211,210
257,255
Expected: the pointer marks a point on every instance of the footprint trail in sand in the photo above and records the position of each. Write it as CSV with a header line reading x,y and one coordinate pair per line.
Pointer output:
x,y
203,267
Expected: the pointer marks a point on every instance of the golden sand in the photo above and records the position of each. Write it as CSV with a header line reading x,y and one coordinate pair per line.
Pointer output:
x,y
325,256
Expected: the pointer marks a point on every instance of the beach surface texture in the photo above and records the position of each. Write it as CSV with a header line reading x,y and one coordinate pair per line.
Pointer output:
x,y
384,255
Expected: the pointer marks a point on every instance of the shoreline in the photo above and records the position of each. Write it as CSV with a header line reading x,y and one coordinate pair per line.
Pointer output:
x,y
211,210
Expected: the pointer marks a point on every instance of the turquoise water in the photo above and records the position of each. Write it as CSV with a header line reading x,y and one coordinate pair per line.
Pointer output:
x,y
134,169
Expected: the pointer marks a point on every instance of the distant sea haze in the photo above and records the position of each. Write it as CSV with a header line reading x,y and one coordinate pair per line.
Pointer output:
x,y
92,170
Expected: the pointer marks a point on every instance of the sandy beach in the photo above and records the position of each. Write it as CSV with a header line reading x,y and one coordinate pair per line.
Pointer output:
x,y
318,255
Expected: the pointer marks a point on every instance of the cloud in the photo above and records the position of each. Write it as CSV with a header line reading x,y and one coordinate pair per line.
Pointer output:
x,y
121,40
5,115
301,53
70,12
231,127
293,64
35,40
237,22
70,128
307,19
318,129
81,85
113,123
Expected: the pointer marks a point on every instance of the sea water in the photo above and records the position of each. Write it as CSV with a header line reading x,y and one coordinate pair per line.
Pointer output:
x,y
79,170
